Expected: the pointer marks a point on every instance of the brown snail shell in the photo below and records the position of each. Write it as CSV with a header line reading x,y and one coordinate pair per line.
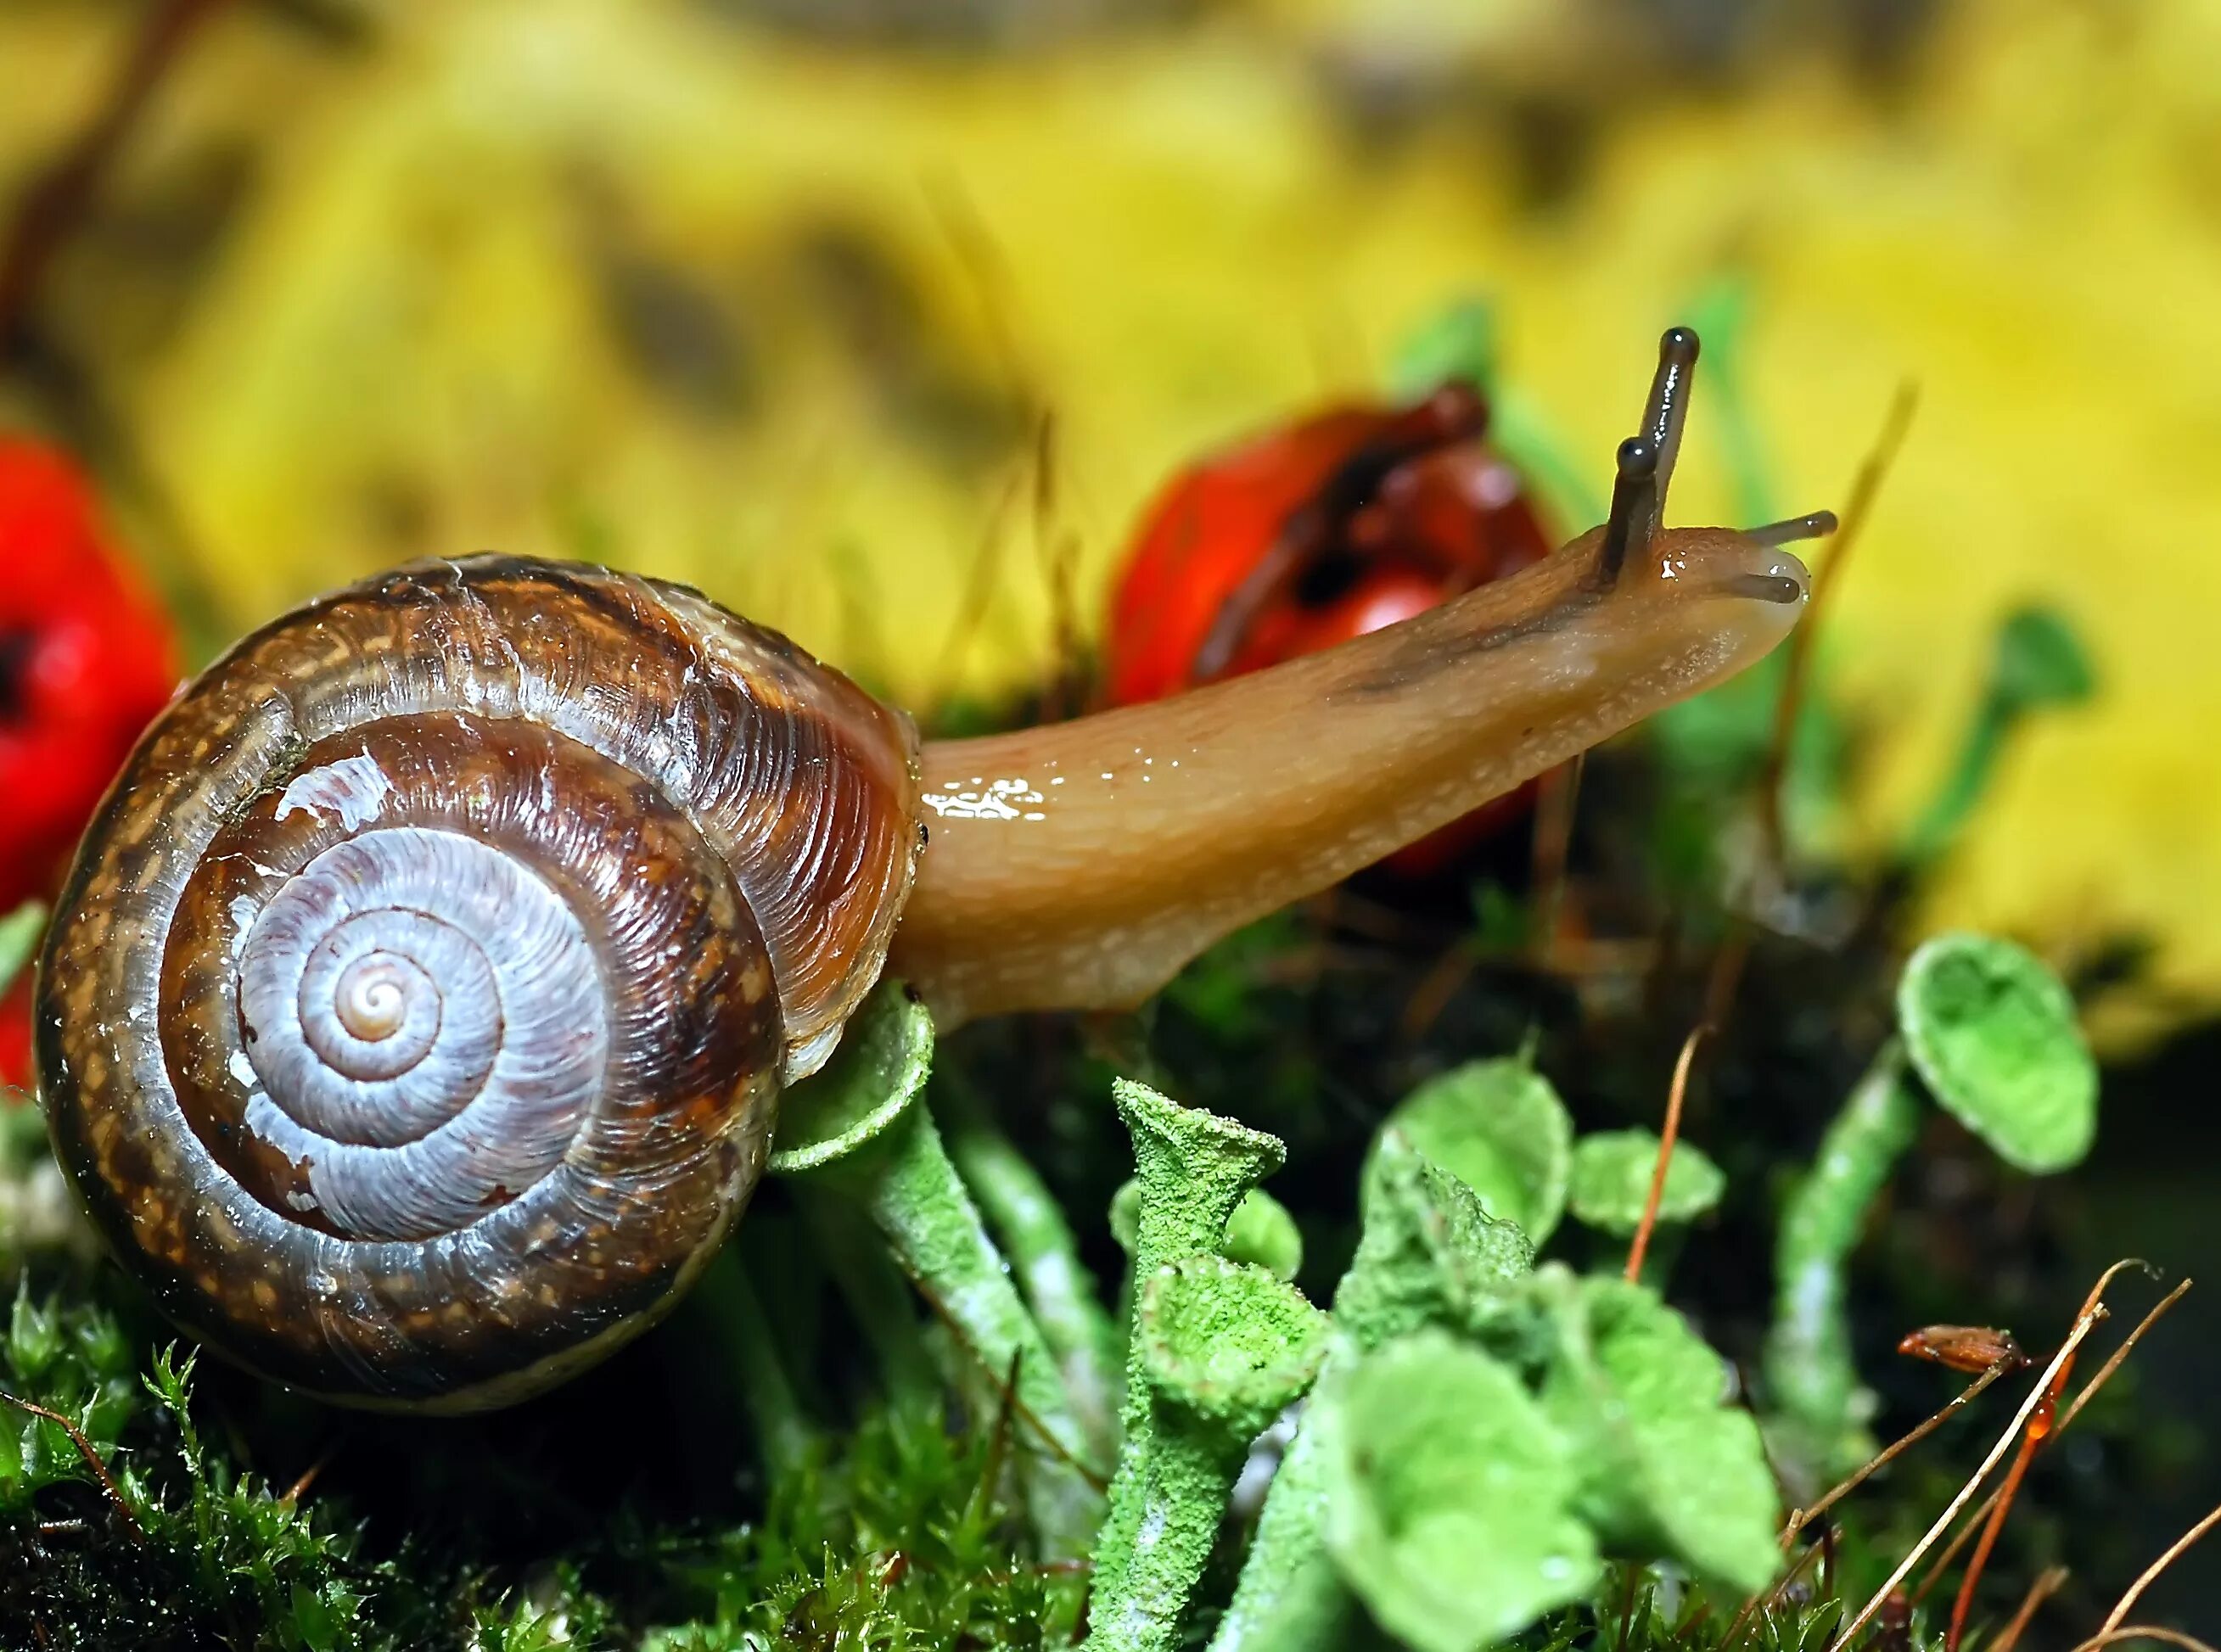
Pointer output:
x,y
415,1013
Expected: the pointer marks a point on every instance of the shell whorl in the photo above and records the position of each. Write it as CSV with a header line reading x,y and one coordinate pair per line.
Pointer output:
x,y
413,1017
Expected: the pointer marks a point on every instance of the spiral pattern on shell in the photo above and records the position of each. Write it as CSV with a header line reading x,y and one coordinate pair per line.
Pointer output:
x,y
413,1018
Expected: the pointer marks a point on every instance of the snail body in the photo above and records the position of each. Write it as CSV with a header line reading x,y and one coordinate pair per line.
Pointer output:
x,y
414,1016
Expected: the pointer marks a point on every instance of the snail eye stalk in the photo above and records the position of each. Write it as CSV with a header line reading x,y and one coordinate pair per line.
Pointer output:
x,y
1633,522
1815,524
1646,459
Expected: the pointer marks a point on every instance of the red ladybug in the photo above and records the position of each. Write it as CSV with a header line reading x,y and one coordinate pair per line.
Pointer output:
x,y
1352,520
87,657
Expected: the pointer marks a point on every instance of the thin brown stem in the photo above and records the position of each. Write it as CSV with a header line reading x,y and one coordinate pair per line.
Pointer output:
x,y
1965,1396
84,1450
2038,1592
1667,1136
1559,794
978,594
2083,1395
1772,1597
2145,1632
2104,1372
2042,1425
2039,1426
1765,1598
2152,1572
1007,1392
1726,974
1438,988
2083,1326
56,203
313,1473
1797,663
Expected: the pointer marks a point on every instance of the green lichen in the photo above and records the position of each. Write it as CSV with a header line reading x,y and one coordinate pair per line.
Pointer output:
x,y
1817,1407
1669,1469
1499,1127
1192,1169
1429,1254
1992,1034
1223,1347
857,1129
1227,1343
1044,1254
1612,1173
1450,1494
1261,1230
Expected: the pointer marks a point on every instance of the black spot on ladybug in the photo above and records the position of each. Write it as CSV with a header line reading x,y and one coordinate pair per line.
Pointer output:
x,y
1329,580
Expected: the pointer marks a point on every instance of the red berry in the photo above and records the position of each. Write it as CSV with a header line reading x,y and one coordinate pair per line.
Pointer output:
x,y
1353,519
87,657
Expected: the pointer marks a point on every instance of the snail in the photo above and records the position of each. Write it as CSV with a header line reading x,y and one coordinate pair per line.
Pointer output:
x,y
414,1016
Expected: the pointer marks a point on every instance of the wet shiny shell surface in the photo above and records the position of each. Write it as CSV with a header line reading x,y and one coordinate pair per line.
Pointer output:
x,y
414,1016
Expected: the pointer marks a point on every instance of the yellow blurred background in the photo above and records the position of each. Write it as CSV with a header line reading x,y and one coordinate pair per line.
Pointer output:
x,y
769,297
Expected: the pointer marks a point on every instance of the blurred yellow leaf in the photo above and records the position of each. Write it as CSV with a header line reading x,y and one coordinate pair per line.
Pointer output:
x,y
634,283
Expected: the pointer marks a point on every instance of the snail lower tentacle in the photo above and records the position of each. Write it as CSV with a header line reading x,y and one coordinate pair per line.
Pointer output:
x,y
418,1006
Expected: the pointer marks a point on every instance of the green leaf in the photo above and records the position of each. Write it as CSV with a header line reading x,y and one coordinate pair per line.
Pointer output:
x,y
869,1084
34,1337
2040,660
1612,1181
1459,344
1993,1034
1449,1495
1668,1469
19,940
2038,664
1499,1127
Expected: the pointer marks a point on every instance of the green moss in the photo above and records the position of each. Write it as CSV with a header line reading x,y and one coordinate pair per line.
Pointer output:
x,y
902,1540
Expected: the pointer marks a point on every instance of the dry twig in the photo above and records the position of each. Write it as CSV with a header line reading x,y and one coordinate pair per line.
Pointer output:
x,y
2151,1572
2145,1632
1803,1517
2083,1326
2082,1398
2038,1592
